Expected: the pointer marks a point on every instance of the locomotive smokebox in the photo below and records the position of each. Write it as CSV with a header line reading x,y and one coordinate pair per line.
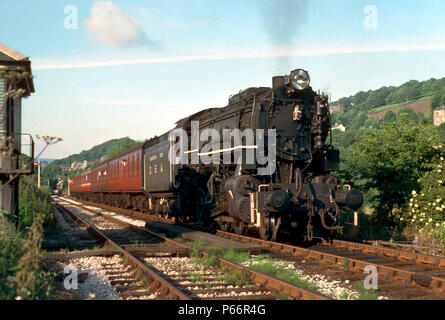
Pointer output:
x,y
352,199
279,200
278,82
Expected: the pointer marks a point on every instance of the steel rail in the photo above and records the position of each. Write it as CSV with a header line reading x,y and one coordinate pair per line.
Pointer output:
x,y
436,261
437,284
269,282
153,280
132,213
418,258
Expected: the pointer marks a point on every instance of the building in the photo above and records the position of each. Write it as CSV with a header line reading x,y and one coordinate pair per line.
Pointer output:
x,y
13,142
340,127
337,108
76,165
439,116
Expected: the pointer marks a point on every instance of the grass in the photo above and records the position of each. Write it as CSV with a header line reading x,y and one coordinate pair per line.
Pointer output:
x,y
257,263
21,274
199,243
365,294
269,268
345,264
389,106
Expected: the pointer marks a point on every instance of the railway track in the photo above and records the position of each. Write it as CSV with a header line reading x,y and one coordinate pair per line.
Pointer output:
x,y
401,274
148,277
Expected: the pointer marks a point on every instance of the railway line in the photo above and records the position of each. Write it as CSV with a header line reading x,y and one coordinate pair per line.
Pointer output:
x,y
144,273
401,274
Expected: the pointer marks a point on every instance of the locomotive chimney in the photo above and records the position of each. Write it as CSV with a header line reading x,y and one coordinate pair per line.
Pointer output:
x,y
277,82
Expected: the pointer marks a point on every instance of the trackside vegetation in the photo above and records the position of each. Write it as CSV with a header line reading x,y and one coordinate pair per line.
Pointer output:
x,y
22,276
400,168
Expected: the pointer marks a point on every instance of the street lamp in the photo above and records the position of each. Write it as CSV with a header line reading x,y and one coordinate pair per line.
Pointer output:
x,y
48,140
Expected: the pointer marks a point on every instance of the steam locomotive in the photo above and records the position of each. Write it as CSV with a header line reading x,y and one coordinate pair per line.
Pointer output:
x,y
261,163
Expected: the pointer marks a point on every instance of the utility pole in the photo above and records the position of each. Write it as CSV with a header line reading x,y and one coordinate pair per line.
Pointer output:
x,y
38,175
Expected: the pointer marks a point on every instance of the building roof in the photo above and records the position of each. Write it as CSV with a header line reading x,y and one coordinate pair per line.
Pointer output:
x,y
11,54
439,108
13,60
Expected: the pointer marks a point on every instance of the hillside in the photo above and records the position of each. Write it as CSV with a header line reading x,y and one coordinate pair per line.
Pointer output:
x,y
375,101
94,155
422,106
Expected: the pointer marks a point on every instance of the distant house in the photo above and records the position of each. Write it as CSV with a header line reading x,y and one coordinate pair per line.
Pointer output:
x,y
337,108
65,168
340,127
79,165
439,116
76,165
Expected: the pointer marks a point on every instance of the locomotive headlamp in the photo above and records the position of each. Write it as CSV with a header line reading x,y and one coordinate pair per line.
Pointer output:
x,y
299,79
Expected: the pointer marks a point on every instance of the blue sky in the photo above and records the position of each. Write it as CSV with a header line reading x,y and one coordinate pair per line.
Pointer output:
x,y
133,68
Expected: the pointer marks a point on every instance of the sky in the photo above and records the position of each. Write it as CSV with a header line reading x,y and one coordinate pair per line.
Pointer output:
x,y
110,69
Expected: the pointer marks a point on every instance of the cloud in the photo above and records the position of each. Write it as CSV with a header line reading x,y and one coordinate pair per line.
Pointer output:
x,y
111,27
244,53
182,24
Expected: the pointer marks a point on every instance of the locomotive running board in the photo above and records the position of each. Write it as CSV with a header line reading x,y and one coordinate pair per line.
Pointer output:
x,y
215,213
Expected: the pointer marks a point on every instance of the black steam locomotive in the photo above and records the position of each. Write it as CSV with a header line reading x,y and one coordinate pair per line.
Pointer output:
x,y
300,195
262,162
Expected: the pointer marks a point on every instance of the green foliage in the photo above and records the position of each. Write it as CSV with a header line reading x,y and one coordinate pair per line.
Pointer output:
x,y
21,276
270,268
123,146
365,294
390,159
411,114
386,97
441,131
426,210
33,200
390,117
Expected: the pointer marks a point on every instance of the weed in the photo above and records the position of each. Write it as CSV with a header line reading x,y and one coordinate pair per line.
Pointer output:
x,y
269,267
280,296
199,243
345,264
365,294
236,256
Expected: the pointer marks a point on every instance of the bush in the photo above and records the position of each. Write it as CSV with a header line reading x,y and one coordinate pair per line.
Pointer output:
x,y
33,200
391,160
21,276
425,213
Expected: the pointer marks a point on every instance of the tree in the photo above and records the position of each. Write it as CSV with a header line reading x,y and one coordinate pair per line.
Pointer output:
x,y
123,146
392,160
411,114
361,120
346,102
390,117
441,132
437,99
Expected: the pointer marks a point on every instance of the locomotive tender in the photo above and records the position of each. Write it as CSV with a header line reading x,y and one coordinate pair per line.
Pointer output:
x,y
299,195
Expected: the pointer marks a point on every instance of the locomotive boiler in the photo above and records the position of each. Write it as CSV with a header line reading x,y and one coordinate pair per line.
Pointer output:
x,y
263,162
